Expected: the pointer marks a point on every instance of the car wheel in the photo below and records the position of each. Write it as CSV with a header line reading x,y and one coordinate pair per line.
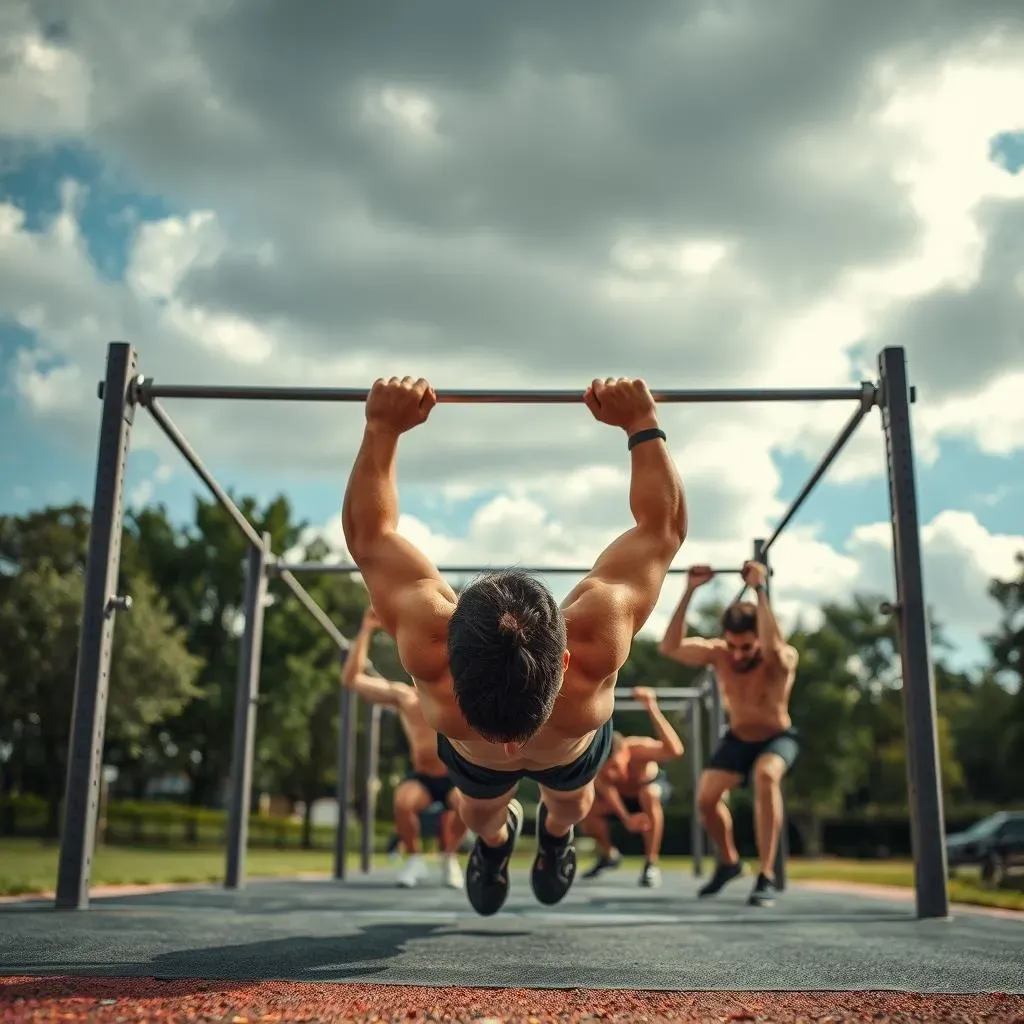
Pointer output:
x,y
993,870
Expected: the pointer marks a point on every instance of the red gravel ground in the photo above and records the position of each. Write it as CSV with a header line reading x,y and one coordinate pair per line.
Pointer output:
x,y
102,1000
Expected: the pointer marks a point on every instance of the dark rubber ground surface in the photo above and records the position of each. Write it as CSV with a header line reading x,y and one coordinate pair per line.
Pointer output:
x,y
607,934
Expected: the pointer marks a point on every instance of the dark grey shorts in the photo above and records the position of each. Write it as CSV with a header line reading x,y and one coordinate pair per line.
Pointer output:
x,y
735,755
489,783
632,803
438,786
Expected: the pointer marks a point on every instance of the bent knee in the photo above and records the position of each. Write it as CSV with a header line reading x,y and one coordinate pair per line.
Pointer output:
x,y
649,797
769,772
577,804
411,798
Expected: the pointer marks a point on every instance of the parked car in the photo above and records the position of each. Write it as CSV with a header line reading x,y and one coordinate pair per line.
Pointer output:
x,y
995,843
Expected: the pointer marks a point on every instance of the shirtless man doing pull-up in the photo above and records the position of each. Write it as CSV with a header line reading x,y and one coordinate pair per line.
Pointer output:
x,y
516,686
755,669
428,782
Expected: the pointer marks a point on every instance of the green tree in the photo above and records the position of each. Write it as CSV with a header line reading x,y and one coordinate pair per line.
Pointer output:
x,y
834,745
1007,647
199,569
152,673
297,728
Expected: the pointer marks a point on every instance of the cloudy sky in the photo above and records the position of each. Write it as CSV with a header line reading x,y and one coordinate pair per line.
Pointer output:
x,y
706,193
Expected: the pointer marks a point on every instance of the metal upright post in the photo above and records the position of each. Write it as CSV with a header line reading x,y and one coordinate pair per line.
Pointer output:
x,y
343,786
782,849
371,783
696,768
924,779
100,601
247,691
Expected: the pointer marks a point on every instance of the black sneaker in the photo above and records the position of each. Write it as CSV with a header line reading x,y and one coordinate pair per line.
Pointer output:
x,y
606,862
650,877
763,894
554,867
724,874
487,870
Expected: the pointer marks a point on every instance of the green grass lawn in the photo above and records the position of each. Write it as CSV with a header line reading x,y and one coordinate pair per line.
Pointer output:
x,y
29,866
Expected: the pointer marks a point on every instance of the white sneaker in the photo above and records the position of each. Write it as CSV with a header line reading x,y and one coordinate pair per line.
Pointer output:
x,y
415,871
451,873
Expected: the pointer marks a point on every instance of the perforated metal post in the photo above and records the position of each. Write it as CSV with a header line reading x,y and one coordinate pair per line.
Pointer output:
x,y
96,635
371,783
695,721
247,690
782,850
924,779
343,786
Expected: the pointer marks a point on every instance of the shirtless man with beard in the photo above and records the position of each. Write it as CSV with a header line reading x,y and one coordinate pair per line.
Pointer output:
x,y
755,668
428,782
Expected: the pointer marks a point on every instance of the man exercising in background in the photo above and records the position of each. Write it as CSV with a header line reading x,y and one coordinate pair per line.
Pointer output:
x,y
428,782
755,668
632,787
516,686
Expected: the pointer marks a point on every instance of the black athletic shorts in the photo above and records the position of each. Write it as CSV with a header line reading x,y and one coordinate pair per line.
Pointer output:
x,y
438,786
632,803
489,783
735,755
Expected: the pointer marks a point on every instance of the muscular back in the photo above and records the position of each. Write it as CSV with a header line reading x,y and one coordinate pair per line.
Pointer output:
x,y
599,635
758,700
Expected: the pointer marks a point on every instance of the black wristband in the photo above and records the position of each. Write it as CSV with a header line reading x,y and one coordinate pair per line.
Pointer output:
x,y
645,435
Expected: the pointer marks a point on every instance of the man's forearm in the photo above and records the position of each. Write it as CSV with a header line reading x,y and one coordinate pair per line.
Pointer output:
x,y
656,496
676,631
768,633
355,661
664,732
370,509
611,796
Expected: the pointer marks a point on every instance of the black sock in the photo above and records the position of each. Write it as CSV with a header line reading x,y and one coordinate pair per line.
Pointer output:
x,y
497,852
547,839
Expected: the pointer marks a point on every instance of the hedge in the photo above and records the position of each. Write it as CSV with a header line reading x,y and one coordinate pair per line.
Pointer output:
x,y
873,832
167,824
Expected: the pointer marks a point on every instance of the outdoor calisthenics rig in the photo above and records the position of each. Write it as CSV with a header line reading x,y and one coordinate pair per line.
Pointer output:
x,y
124,390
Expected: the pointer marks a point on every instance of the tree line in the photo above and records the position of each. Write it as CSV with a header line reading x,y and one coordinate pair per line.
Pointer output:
x,y
174,670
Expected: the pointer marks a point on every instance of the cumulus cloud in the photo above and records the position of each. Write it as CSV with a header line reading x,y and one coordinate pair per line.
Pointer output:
x,y
703,194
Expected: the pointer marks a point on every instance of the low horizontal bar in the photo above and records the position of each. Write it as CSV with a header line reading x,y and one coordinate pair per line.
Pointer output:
x,y
464,570
666,693
146,390
682,706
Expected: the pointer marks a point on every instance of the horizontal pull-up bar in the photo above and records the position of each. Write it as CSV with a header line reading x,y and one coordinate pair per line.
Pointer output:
x,y
462,570
146,390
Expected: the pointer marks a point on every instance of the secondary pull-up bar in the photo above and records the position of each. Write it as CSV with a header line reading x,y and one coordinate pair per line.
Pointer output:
x,y
461,570
146,390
